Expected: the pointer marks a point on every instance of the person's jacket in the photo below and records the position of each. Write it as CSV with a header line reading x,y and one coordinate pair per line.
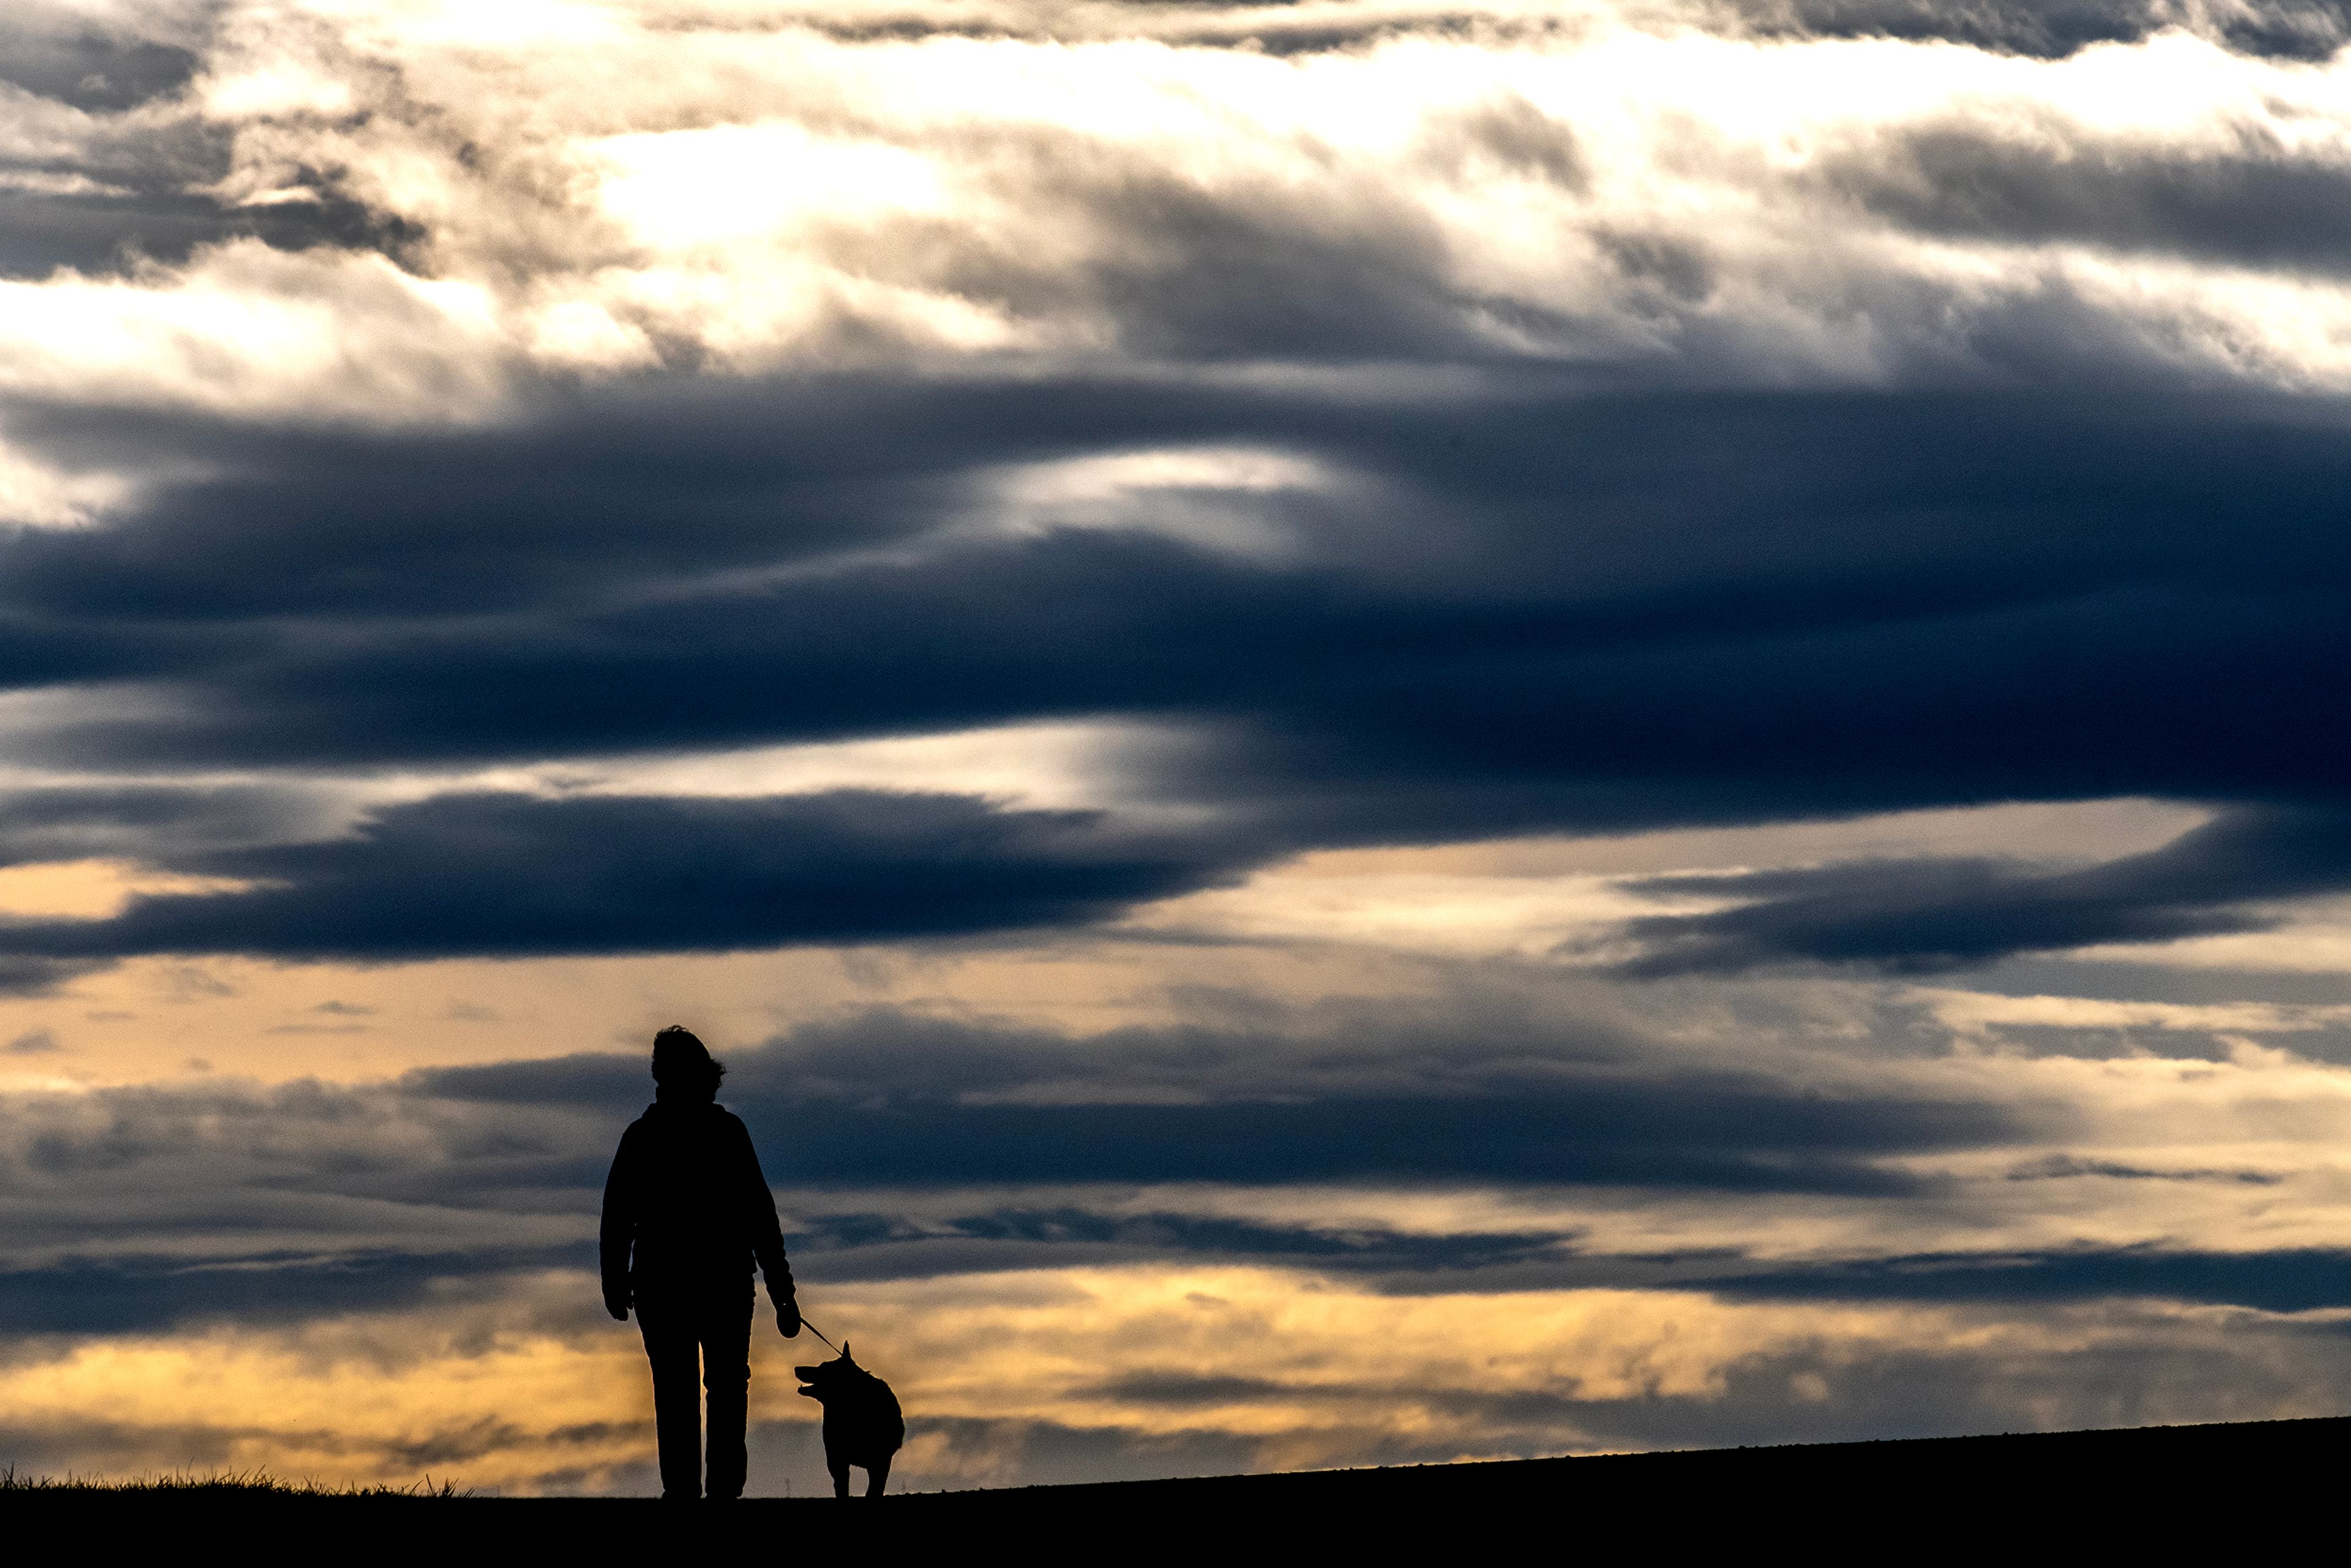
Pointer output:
x,y
686,1209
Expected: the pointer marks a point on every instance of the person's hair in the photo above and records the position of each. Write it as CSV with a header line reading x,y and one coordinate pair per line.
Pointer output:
x,y
683,1065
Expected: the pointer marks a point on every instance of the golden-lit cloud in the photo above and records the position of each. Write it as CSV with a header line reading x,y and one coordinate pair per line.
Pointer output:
x,y
521,1395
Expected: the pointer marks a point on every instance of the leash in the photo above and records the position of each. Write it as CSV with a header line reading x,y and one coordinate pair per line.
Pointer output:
x,y
820,1334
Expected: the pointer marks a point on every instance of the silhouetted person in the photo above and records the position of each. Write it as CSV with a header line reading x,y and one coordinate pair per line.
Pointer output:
x,y
686,1212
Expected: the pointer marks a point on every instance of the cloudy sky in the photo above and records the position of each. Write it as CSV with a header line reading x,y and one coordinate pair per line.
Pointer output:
x,y
1380,730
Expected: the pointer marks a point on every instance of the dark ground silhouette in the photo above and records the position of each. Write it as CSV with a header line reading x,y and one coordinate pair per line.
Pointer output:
x,y
2243,1488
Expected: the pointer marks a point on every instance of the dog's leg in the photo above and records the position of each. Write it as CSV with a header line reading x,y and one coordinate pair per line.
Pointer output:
x,y
877,1476
838,1465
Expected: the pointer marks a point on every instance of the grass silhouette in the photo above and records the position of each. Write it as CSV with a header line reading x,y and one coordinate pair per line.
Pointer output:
x,y
217,1484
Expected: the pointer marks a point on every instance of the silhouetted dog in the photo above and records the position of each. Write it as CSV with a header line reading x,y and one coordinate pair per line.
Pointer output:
x,y
862,1422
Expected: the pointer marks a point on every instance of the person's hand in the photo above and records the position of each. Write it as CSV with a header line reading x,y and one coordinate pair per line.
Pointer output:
x,y
788,1318
618,1305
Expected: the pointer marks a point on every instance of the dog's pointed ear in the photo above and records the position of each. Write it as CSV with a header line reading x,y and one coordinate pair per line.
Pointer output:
x,y
844,1352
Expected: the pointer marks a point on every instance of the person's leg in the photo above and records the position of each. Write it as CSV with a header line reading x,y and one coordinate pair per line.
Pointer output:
x,y
670,1345
726,1375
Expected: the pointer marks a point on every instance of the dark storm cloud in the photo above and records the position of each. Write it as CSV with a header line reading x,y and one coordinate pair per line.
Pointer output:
x,y
142,1294
885,1100
116,227
87,66
1676,1136
590,501
508,873
2292,29
837,1248
1890,599
2288,1281
1925,914
2063,1167
67,823
2040,29
1358,1248
1687,1135
2256,204
1539,608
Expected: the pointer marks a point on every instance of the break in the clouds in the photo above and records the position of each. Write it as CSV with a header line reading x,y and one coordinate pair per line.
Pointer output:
x,y
1350,652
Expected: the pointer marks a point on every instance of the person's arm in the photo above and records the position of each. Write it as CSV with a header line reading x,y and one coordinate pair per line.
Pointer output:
x,y
616,1237
767,1238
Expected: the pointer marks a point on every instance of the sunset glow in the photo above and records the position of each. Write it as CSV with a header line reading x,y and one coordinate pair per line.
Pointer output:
x,y
1376,732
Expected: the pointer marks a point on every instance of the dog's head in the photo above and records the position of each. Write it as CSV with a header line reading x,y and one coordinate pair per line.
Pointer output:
x,y
828,1378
